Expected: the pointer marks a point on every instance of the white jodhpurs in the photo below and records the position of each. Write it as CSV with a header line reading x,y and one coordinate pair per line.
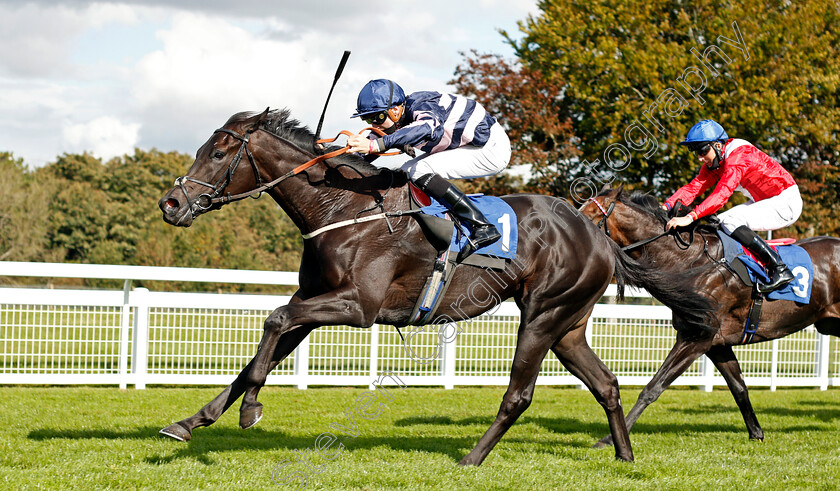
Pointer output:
x,y
768,214
465,162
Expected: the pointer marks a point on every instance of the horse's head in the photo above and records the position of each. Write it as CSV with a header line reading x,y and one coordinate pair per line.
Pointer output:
x,y
625,218
601,208
218,171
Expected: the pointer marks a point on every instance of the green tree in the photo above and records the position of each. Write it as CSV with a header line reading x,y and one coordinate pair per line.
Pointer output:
x,y
632,77
23,212
80,219
76,168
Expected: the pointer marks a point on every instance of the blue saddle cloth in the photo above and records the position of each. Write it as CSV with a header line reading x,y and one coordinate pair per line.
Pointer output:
x,y
497,212
796,258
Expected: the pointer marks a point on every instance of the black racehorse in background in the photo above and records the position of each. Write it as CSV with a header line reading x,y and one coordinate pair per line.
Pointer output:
x,y
634,218
373,272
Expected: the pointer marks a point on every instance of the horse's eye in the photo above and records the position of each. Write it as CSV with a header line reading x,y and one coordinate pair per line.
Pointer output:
x,y
218,154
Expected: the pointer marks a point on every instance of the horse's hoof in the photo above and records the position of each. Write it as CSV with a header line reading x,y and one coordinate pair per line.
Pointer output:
x,y
603,442
249,417
468,461
177,432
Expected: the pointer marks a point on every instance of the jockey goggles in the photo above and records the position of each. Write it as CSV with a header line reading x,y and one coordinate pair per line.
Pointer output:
x,y
701,150
375,118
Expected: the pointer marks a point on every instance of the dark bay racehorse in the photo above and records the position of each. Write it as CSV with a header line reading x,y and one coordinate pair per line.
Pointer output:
x,y
364,273
629,219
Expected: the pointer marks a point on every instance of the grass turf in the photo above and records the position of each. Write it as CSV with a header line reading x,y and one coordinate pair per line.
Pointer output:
x,y
90,437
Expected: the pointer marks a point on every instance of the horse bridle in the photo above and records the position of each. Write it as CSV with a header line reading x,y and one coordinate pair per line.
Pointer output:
x,y
606,213
634,245
204,201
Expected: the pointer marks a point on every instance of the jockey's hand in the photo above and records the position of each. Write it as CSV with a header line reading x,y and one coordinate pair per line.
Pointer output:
x,y
678,222
359,144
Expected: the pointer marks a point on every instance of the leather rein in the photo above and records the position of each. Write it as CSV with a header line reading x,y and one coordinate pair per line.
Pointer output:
x,y
205,201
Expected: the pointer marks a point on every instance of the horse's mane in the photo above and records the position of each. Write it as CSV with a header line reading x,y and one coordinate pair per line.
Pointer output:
x,y
650,205
646,203
695,311
280,123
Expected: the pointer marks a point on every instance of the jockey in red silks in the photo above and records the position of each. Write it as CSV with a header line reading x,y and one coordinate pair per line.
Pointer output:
x,y
733,165
461,140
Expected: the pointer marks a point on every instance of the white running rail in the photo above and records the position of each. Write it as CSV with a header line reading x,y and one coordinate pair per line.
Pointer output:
x,y
139,337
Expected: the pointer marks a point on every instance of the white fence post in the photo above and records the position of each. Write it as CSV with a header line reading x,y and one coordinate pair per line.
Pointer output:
x,y
774,363
374,355
302,363
449,355
140,361
708,374
823,360
125,319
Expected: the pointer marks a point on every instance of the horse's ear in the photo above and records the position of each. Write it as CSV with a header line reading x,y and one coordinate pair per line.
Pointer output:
x,y
255,125
604,189
620,190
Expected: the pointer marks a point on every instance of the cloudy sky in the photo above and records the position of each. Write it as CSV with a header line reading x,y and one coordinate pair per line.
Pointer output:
x,y
107,77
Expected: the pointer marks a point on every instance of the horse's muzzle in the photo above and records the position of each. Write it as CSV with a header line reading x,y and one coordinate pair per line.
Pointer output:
x,y
174,212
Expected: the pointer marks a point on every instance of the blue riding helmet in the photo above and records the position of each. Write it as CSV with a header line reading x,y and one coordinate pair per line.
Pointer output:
x,y
705,131
378,95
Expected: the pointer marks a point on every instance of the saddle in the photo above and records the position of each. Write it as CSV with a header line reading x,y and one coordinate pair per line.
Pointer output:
x,y
443,230
444,234
749,270
438,231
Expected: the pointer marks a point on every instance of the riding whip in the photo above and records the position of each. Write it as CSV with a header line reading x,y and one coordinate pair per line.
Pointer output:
x,y
340,69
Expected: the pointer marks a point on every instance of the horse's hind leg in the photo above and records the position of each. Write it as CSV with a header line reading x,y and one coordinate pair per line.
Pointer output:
x,y
576,355
213,410
182,430
728,366
681,356
530,352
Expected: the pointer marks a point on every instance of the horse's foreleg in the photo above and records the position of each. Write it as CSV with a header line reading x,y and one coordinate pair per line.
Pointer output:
x,y
530,351
250,412
724,359
573,351
286,327
213,410
681,357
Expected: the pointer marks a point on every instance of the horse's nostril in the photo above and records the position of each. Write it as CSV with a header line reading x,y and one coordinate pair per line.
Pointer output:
x,y
171,204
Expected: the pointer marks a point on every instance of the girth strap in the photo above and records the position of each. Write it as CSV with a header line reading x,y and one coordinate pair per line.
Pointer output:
x,y
753,317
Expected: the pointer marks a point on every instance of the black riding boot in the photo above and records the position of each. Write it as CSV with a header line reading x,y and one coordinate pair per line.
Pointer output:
x,y
778,272
483,232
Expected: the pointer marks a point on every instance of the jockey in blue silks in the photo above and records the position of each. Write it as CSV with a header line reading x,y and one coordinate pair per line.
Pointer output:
x,y
459,138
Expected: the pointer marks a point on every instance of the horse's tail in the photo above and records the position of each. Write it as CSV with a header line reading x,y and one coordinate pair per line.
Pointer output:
x,y
672,289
